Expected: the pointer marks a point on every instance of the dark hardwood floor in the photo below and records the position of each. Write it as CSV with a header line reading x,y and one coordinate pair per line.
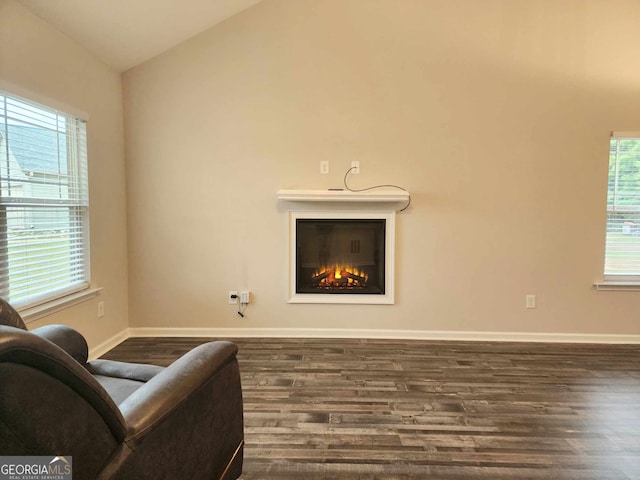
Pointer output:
x,y
390,409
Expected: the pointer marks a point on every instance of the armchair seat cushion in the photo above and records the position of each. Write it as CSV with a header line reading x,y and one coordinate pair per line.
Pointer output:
x,y
132,371
121,379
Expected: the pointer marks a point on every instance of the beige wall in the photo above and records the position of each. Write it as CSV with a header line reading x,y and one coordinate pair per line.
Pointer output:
x,y
38,61
494,114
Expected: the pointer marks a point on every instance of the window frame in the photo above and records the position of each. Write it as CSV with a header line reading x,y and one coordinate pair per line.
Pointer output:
x,y
618,281
75,170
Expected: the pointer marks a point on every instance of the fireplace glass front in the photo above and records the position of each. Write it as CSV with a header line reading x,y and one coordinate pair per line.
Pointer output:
x,y
340,256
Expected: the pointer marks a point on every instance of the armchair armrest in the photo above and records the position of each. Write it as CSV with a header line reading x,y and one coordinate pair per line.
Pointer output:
x,y
194,407
68,339
166,392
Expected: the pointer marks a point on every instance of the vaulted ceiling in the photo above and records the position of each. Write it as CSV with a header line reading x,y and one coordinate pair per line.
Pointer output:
x,y
125,33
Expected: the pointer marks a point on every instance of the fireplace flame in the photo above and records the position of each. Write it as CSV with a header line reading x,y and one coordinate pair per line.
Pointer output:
x,y
339,276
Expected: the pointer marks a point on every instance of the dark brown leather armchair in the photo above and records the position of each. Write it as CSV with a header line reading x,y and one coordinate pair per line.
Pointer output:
x,y
119,420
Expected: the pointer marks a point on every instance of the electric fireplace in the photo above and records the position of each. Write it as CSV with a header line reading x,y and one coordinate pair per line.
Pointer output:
x,y
341,257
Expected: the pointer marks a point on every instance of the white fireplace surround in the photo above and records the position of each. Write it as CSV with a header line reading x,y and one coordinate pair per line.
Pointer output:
x,y
344,298
340,204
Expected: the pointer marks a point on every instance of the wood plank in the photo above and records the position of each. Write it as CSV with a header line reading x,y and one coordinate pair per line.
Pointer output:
x,y
391,409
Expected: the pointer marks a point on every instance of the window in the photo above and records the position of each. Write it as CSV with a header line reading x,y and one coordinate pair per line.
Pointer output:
x,y
44,213
622,252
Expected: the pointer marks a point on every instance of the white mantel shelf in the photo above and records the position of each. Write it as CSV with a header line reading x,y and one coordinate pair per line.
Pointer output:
x,y
388,196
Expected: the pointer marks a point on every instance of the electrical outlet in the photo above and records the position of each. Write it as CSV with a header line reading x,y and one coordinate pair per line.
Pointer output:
x,y
324,167
530,301
244,297
232,298
355,167
100,309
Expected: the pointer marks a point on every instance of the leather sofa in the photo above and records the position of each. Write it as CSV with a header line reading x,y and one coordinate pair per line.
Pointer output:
x,y
119,420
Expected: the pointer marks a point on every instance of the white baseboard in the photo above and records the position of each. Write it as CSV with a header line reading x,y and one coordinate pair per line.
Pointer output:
x,y
384,334
108,344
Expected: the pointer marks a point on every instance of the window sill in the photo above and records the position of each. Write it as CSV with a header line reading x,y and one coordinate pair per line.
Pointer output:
x,y
57,305
621,286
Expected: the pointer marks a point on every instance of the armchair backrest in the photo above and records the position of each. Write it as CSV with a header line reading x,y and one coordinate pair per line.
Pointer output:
x,y
9,316
50,405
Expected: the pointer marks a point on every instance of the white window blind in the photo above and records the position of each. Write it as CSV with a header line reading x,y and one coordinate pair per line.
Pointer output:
x,y
43,203
622,252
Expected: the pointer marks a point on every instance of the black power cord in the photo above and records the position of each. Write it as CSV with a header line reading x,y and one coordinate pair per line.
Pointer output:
x,y
386,185
241,306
